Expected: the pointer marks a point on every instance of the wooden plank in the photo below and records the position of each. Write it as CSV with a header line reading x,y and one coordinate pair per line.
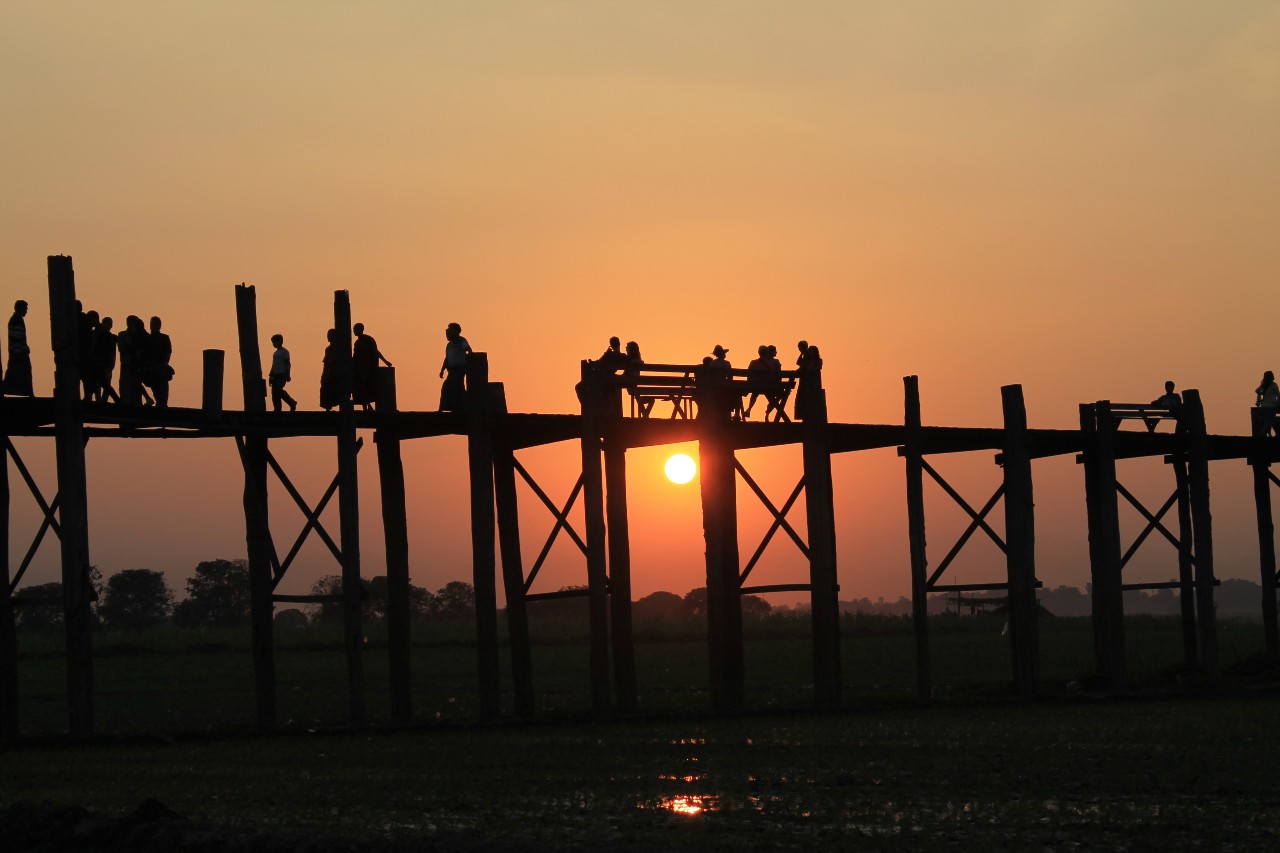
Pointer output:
x,y
257,529
1020,541
619,543
1186,576
1102,509
504,487
597,559
819,502
349,511
913,455
73,519
395,534
1202,528
483,526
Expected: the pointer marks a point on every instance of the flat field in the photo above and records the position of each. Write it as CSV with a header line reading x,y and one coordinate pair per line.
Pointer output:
x,y
974,771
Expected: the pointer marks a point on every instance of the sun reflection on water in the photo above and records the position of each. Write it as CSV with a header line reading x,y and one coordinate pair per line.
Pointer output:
x,y
687,804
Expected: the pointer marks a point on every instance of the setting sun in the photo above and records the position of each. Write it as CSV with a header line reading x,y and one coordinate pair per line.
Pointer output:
x,y
681,468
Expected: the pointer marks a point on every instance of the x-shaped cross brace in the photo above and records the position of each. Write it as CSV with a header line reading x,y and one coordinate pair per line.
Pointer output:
x,y
979,520
779,520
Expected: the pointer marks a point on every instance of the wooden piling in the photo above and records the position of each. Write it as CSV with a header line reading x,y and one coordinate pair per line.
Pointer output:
x,y
594,398
1102,509
483,522
718,479
504,488
1020,543
1202,525
395,532
824,589
623,643
349,511
916,537
1186,570
73,512
1261,464
211,389
9,726
257,529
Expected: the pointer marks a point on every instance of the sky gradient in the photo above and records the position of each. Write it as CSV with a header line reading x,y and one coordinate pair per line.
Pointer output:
x,y
1079,197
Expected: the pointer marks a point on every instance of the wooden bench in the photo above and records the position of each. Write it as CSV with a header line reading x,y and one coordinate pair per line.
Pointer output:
x,y
680,392
1149,413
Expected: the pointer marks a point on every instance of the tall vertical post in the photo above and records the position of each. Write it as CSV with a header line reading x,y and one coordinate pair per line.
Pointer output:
x,y
594,396
395,532
1098,432
349,510
912,452
257,529
211,387
718,480
8,632
1020,543
1261,462
824,589
1202,524
73,515
624,655
1186,570
504,488
483,556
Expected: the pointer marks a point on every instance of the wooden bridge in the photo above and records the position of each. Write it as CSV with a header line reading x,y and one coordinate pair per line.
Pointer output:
x,y
605,432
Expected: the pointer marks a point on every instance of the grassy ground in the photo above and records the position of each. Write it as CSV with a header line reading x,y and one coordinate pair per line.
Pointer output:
x,y
973,772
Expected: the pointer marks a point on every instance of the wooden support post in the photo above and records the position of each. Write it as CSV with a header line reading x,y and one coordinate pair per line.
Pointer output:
x,y
211,391
1102,509
504,488
1202,525
718,480
824,589
349,510
8,630
1186,571
257,529
395,532
1020,544
73,512
915,531
483,556
594,399
1266,531
624,654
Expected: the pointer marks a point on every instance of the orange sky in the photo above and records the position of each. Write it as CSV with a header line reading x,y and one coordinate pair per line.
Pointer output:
x,y
1078,197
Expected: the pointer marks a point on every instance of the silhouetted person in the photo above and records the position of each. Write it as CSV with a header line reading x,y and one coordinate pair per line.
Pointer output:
x,y
364,366
777,399
86,357
1170,400
17,377
453,393
809,362
156,371
634,359
280,375
613,358
329,394
132,343
1268,399
758,367
104,360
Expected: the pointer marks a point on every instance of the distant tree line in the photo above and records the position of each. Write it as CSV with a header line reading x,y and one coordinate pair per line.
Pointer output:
x,y
217,595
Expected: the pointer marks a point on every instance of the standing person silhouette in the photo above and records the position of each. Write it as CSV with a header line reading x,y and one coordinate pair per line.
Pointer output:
x,y
453,393
810,361
104,356
329,396
158,372
17,377
758,366
132,342
1268,399
281,373
86,323
364,366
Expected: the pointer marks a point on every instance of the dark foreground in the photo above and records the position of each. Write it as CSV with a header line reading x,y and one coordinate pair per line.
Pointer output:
x,y
1066,775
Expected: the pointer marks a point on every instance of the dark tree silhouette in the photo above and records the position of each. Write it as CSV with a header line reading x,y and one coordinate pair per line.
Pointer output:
x,y
42,617
695,601
217,595
135,599
454,600
755,606
658,605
